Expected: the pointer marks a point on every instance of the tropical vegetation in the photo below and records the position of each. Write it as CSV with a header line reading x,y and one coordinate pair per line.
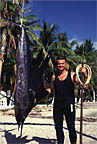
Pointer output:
x,y
48,44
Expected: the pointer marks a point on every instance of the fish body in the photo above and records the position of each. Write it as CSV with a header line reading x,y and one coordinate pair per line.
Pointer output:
x,y
23,98
29,81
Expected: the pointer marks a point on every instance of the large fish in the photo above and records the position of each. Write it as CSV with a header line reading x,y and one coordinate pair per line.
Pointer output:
x,y
29,81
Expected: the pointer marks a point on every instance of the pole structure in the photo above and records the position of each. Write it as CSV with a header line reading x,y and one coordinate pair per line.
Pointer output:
x,y
81,107
81,114
82,95
85,78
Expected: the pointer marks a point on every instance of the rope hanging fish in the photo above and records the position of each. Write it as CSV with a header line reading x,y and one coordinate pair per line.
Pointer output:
x,y
29,82
23,99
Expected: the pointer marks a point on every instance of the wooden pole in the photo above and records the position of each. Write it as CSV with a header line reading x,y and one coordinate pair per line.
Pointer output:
x,y
81,112
81,115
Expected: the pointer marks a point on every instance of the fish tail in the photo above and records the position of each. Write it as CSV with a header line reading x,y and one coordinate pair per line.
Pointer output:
x,y
18,126
21,128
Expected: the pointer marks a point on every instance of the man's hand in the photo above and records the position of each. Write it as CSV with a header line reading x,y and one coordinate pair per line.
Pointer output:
x,y
35,100
49,90
84,71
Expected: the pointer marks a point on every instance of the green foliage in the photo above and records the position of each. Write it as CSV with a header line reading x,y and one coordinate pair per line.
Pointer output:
x,y
48,43
32,35
1,5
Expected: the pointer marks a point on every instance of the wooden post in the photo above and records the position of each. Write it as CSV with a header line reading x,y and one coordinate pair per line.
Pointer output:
x,y
81,109
81,115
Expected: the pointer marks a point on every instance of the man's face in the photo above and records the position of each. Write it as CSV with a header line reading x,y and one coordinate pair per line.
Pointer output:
x,y
61,64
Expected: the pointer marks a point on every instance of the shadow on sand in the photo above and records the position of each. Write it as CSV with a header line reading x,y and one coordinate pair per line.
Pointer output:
x,y
12,139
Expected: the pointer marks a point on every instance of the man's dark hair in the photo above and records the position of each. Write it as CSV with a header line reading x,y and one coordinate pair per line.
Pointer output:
x,y
61,57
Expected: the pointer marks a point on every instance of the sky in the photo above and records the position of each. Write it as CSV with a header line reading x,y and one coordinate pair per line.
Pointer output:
x,y
78,19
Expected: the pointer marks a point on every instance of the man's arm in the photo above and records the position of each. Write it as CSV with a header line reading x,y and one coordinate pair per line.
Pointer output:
x,y
74,76
51,89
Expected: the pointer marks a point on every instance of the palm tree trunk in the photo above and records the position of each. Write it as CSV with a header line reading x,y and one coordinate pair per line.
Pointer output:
x,y
2,50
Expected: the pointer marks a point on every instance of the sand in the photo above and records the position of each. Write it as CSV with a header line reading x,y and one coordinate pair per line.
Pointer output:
x,y
39,127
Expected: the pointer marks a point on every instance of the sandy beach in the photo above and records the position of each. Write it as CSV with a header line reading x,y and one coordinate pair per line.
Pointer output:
x,y
39,127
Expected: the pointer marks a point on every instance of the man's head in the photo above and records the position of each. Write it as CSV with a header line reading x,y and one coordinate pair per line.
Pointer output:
x,y
61,63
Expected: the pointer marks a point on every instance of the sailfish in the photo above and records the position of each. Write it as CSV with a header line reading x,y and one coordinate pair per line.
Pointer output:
x,y
29,80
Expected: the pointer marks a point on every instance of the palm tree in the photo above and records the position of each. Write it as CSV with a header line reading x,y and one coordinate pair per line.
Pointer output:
x,y
47,34
46,38
10,27
10,14
2,52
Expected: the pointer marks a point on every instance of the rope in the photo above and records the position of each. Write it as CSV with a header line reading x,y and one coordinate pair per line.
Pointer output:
x,y
21,20
88,75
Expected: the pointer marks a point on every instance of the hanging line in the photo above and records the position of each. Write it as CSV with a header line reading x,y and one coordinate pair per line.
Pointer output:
x,y
22,15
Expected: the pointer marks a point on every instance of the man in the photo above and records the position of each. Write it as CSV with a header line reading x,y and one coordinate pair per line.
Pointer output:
x,y
62,83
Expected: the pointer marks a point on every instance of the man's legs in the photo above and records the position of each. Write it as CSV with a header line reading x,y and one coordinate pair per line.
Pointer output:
x,y
58,120
70,120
